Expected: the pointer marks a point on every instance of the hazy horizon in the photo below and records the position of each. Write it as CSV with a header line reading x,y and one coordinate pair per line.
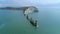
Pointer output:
x,y
19,3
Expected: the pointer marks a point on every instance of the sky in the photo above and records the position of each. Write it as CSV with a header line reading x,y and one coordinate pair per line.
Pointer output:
x,y
4,3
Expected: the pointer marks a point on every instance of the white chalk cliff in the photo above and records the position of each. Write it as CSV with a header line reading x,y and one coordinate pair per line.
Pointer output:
x,y
30,10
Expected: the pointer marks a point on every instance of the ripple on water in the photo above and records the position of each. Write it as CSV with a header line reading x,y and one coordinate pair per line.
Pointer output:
x,y
2,25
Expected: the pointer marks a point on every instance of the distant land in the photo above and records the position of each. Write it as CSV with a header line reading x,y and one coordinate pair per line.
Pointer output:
x,y
19,8
13,8
16,8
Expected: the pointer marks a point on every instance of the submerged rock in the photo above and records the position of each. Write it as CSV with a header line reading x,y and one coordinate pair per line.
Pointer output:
x,y
33,22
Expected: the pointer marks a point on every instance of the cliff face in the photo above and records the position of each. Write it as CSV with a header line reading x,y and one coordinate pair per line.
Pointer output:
x,y
30,9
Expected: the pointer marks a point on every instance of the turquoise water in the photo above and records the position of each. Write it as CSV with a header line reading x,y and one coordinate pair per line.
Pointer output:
x,y
14,22
49,21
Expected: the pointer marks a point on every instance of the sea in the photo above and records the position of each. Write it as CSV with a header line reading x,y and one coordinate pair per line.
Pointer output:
x,y
14,22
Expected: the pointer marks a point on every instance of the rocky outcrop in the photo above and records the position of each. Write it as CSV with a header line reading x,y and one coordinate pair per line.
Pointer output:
x,y
29,10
